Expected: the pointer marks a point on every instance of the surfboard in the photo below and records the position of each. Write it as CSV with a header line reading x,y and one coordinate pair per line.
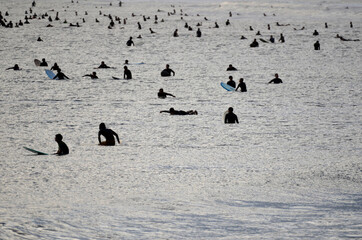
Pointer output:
x,y
115,78
35,151
50,74
227,87
37,62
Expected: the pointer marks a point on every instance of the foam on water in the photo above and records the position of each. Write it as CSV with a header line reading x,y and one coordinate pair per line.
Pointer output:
x,y
291,168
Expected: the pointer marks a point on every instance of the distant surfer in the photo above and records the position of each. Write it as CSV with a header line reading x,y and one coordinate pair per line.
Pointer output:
x,y
15,68
55,67
281,39
103,65
254,44
167,71
127,73
315,33
130,42
172,111
43,63
231,117
276,80
175,33
62,147
198,33
241,85
126,62
162,94
60,75
231,82
231,68
92,76
317,46
108,134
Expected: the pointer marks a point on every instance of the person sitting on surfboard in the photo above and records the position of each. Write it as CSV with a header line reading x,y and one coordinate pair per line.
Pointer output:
x,y
16,67
276,80
230,117
43,63
92,76
127,73
231,68
60,75
167,71
108,134
172,111
63,148
241,85
55,67
231,82
103,65
162,94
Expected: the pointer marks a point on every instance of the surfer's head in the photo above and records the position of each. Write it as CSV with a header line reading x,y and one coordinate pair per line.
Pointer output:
x,y
58,137
102,126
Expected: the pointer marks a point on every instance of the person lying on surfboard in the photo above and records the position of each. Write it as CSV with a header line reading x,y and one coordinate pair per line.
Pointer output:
x,y
92,76
172,111
63,148
162,94
108,134
16,67
60,75
103,65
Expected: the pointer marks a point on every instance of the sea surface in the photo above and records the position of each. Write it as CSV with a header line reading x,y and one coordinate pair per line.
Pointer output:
x,y
291,169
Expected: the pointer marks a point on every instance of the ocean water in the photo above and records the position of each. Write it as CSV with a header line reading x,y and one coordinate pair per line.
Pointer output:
x,y
290,170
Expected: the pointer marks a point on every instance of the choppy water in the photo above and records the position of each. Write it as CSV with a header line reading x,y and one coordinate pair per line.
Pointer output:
x,y
291,169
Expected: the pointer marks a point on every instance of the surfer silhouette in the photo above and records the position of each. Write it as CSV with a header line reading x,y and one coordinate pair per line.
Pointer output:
x,y
231,82
167,71
43,63
62,147
231,117
60,75
162,94
231,68
108,134
55,67
127,73
317,46
241,85
130,42
92,76
103,65
172,111
15,68
276,80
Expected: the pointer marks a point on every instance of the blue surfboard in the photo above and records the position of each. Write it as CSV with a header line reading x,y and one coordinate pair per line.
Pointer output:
x,y
227,87
50,74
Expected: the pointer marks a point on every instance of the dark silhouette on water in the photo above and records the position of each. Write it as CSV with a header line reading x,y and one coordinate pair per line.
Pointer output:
x,y
231,117
108,134
276,80
231,82
172,111
162,94
62,147
127,73
254,44
317,46
92,76
231,68
241,85
43,63
103,65
60,75
167,71
15,68
130,42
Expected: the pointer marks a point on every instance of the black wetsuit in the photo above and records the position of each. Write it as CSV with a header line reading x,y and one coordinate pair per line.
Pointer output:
x,y
231,69
60,75
167,72
127,74
43,64
231,118
108,134
276,80
63,148
242,87
163,94
231,83
130,42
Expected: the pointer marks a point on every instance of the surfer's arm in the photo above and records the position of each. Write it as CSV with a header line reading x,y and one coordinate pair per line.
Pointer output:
x,y
9,68
55,77
237,87
87,75
115,134
164,111
169,94
66,76
99,138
